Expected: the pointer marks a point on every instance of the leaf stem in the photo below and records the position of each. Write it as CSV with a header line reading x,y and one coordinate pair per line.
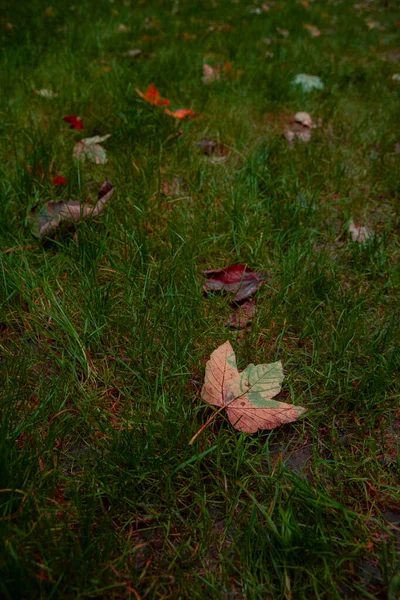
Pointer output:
x,y
206,424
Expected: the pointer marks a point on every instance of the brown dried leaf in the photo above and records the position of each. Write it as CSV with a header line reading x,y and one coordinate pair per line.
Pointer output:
x,y
46,220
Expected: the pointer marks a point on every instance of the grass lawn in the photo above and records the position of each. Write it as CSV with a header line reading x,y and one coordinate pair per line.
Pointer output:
x,y
106,331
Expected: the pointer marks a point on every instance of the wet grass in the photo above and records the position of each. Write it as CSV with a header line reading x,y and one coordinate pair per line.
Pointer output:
x,y
105,331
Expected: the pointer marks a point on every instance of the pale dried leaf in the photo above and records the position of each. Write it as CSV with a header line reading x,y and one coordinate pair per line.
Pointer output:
x,y
360,234
308,82
304,118
134,53
90,149
247,396
210,74
45,93
300,128
313,30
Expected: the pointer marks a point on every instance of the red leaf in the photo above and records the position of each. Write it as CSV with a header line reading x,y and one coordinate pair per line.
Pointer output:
x,y
153,96
75,122
59,180
181,113
239,279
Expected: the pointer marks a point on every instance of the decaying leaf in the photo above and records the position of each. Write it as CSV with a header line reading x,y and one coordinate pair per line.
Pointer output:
x,y
153,96
308,82
45,93
283,32
374,25
46,220
300,127
174,187
134,53
210,74
247,396
314,31
75,122
213,149
181,113
90,149
242,316
242,281
360,234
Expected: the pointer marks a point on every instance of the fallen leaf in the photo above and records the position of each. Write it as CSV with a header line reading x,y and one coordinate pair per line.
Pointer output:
x,y
242,281
90,149
220,27
374,25
283,32
75,122
122,28
360,234
151,38
314,31
189,36
104,70
38,171
308,82
247,396
153,96
300,128
213,149
46,220
23,249
228,67
134,53
242,316
181,113
45,93
210,74
174,187
59,180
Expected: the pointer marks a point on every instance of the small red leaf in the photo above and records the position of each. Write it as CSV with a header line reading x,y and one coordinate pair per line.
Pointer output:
x,y
75,122
59,180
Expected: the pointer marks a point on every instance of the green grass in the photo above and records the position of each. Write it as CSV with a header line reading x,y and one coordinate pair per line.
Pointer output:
x,y
105,333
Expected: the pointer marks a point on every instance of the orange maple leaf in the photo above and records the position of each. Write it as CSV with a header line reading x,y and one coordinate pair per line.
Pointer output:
x,y
153,96
181,113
